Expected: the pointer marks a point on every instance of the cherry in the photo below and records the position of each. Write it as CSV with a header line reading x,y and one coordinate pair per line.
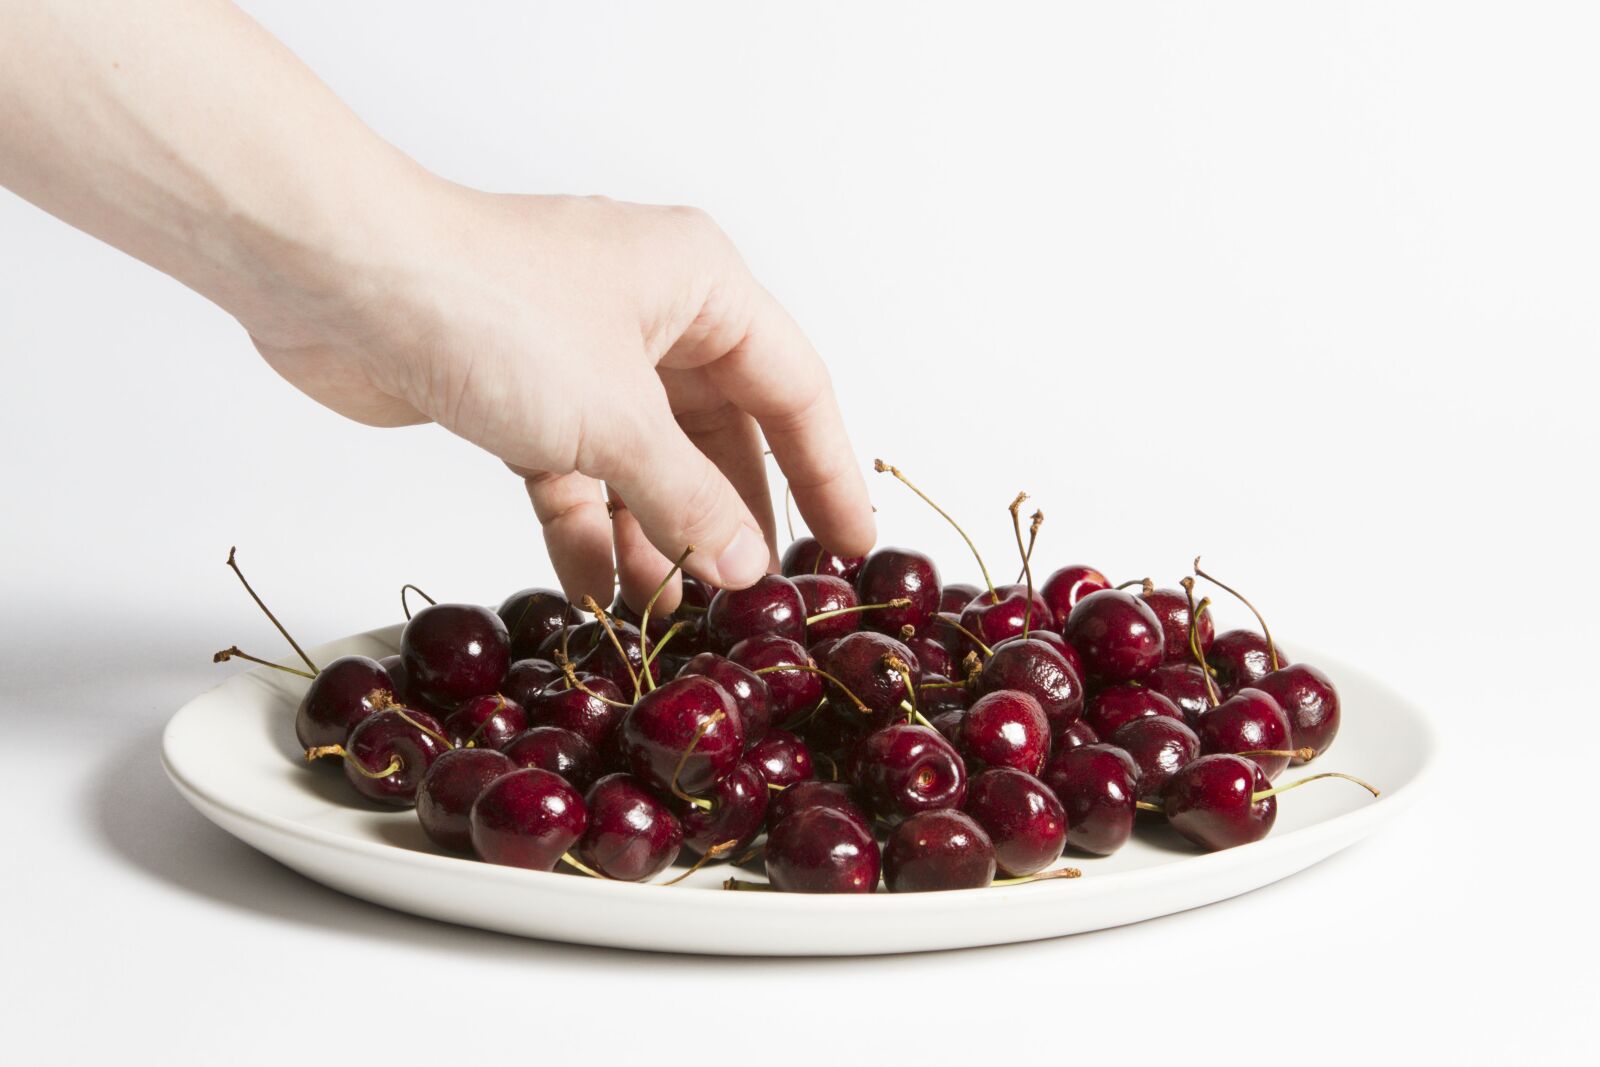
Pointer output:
x,y
782,758
1078,734
899,574
532,615
771,606
1248,721
631,836
1117,635
1006,728
1068,585
748,690
527,818
825,595
865,667
343,693
553,749
592,708
738,808
395,668
815,794
1006,612
791,692
387,754
954,598
1114,705
933,656
1171,607
448,790
936,850
948,723
1309,699
527,678
805,555
1241,658
1222,801
835,732
904,769
455,651
682,736
1098,786
820,850
1038,669
1159,745
937,694
1185,685
486,722
1022,817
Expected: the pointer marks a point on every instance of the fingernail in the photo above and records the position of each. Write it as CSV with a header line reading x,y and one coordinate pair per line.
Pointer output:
x,y
744,560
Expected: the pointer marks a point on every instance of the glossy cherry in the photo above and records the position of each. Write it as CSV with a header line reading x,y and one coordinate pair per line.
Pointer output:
x,y
1185,685
938,850
864,663
1098,786
1037,668
1248,721
682,736
488,721
1117,635
388,753
820,850
771,606
738,808
937,694
591,649
905,769
1241,658
1068,585
553,749
1114,705
993,617
933,655
748,690
1171,607
791,693
449,789
1308,697
954,598
805,555
1078,734
782,758
1022,816
825,595
812,794
631,835
527,818
532,615
899,574
455,651
592,709
526,678
1211,801
1159,745
343,693
1006,728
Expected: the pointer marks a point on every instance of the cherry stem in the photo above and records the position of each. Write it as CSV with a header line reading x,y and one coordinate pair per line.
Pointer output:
x,y
750,887
1194,638
572,681
395,762
1145,805
233,564
234,652
897,602
1027,572
1042,876
903,669
916,718
1272,649
672,631
598,612
571,861
700,731
943,685
1036,521
833,767
1265,793
881,467
405,606
1148,586
644,620
715,852
776,788
1291,753
819,672
435,734
987,651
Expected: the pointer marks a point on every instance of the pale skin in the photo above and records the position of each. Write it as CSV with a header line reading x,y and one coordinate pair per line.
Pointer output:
x,y
602,350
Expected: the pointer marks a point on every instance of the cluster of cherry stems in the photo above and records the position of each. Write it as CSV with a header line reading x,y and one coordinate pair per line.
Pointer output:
x,y
847,721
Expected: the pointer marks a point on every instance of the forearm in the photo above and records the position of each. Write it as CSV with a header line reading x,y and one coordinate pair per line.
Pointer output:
x,y
184,134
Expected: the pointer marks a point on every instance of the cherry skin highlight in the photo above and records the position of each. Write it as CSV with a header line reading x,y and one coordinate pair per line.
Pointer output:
x,y
1078,734
455,651
450,788
782,759
684,734
1241,658
1040,670
527,818
1185,685
1309,699
938,850
790,693
631,835
1171,607
553,749
1005,728
1248,721
771,606
899,574
1098,786
1211,802
1117,635
748,690
820,850
1063,589
1023,818
1159,745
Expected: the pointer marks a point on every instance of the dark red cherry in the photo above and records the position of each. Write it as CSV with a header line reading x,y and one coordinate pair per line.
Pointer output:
x,y
1117,635
1211,801
1038,669
532,615
1005,728
834,733
631,835
904,769
395,668
1185,685
1114,705
790,693
993,617
1309,699
948,723
394,748
1022,817
449,789
863,664
748,690
1079,733
343,693
933,656
526,678
1248,721
805,555
553,749
782,758
771,606
1098,786
1159,745
1063,589
820,850
937,850
586,711
937,694
1241,658
486,722
1172,608
527,818
953,599
738,809
813,794
591,650
896,574
675,739
455,651
823,594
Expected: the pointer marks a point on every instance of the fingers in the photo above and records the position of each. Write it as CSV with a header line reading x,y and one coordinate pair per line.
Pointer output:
x,y
640,567
577,532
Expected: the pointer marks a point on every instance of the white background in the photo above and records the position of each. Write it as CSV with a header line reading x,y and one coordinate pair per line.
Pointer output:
x,y
1307,287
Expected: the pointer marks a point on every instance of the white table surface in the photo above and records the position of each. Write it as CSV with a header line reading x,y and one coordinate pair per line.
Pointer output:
x,y
1117,259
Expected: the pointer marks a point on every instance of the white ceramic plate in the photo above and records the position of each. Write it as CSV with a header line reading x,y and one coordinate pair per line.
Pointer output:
x,y
232,754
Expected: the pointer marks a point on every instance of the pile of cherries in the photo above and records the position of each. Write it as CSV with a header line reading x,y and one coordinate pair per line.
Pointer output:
x,y
848,720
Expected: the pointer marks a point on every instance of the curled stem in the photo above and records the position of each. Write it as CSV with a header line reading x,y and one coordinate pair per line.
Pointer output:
x,y
700,731
573,683
1027,571
881,467
715,852
234,566
405,605
395,762
598,612
572,861
1256,798
1194,639
1272,649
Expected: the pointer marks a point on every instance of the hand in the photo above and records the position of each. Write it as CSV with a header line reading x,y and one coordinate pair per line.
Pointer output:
x,y
585,341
